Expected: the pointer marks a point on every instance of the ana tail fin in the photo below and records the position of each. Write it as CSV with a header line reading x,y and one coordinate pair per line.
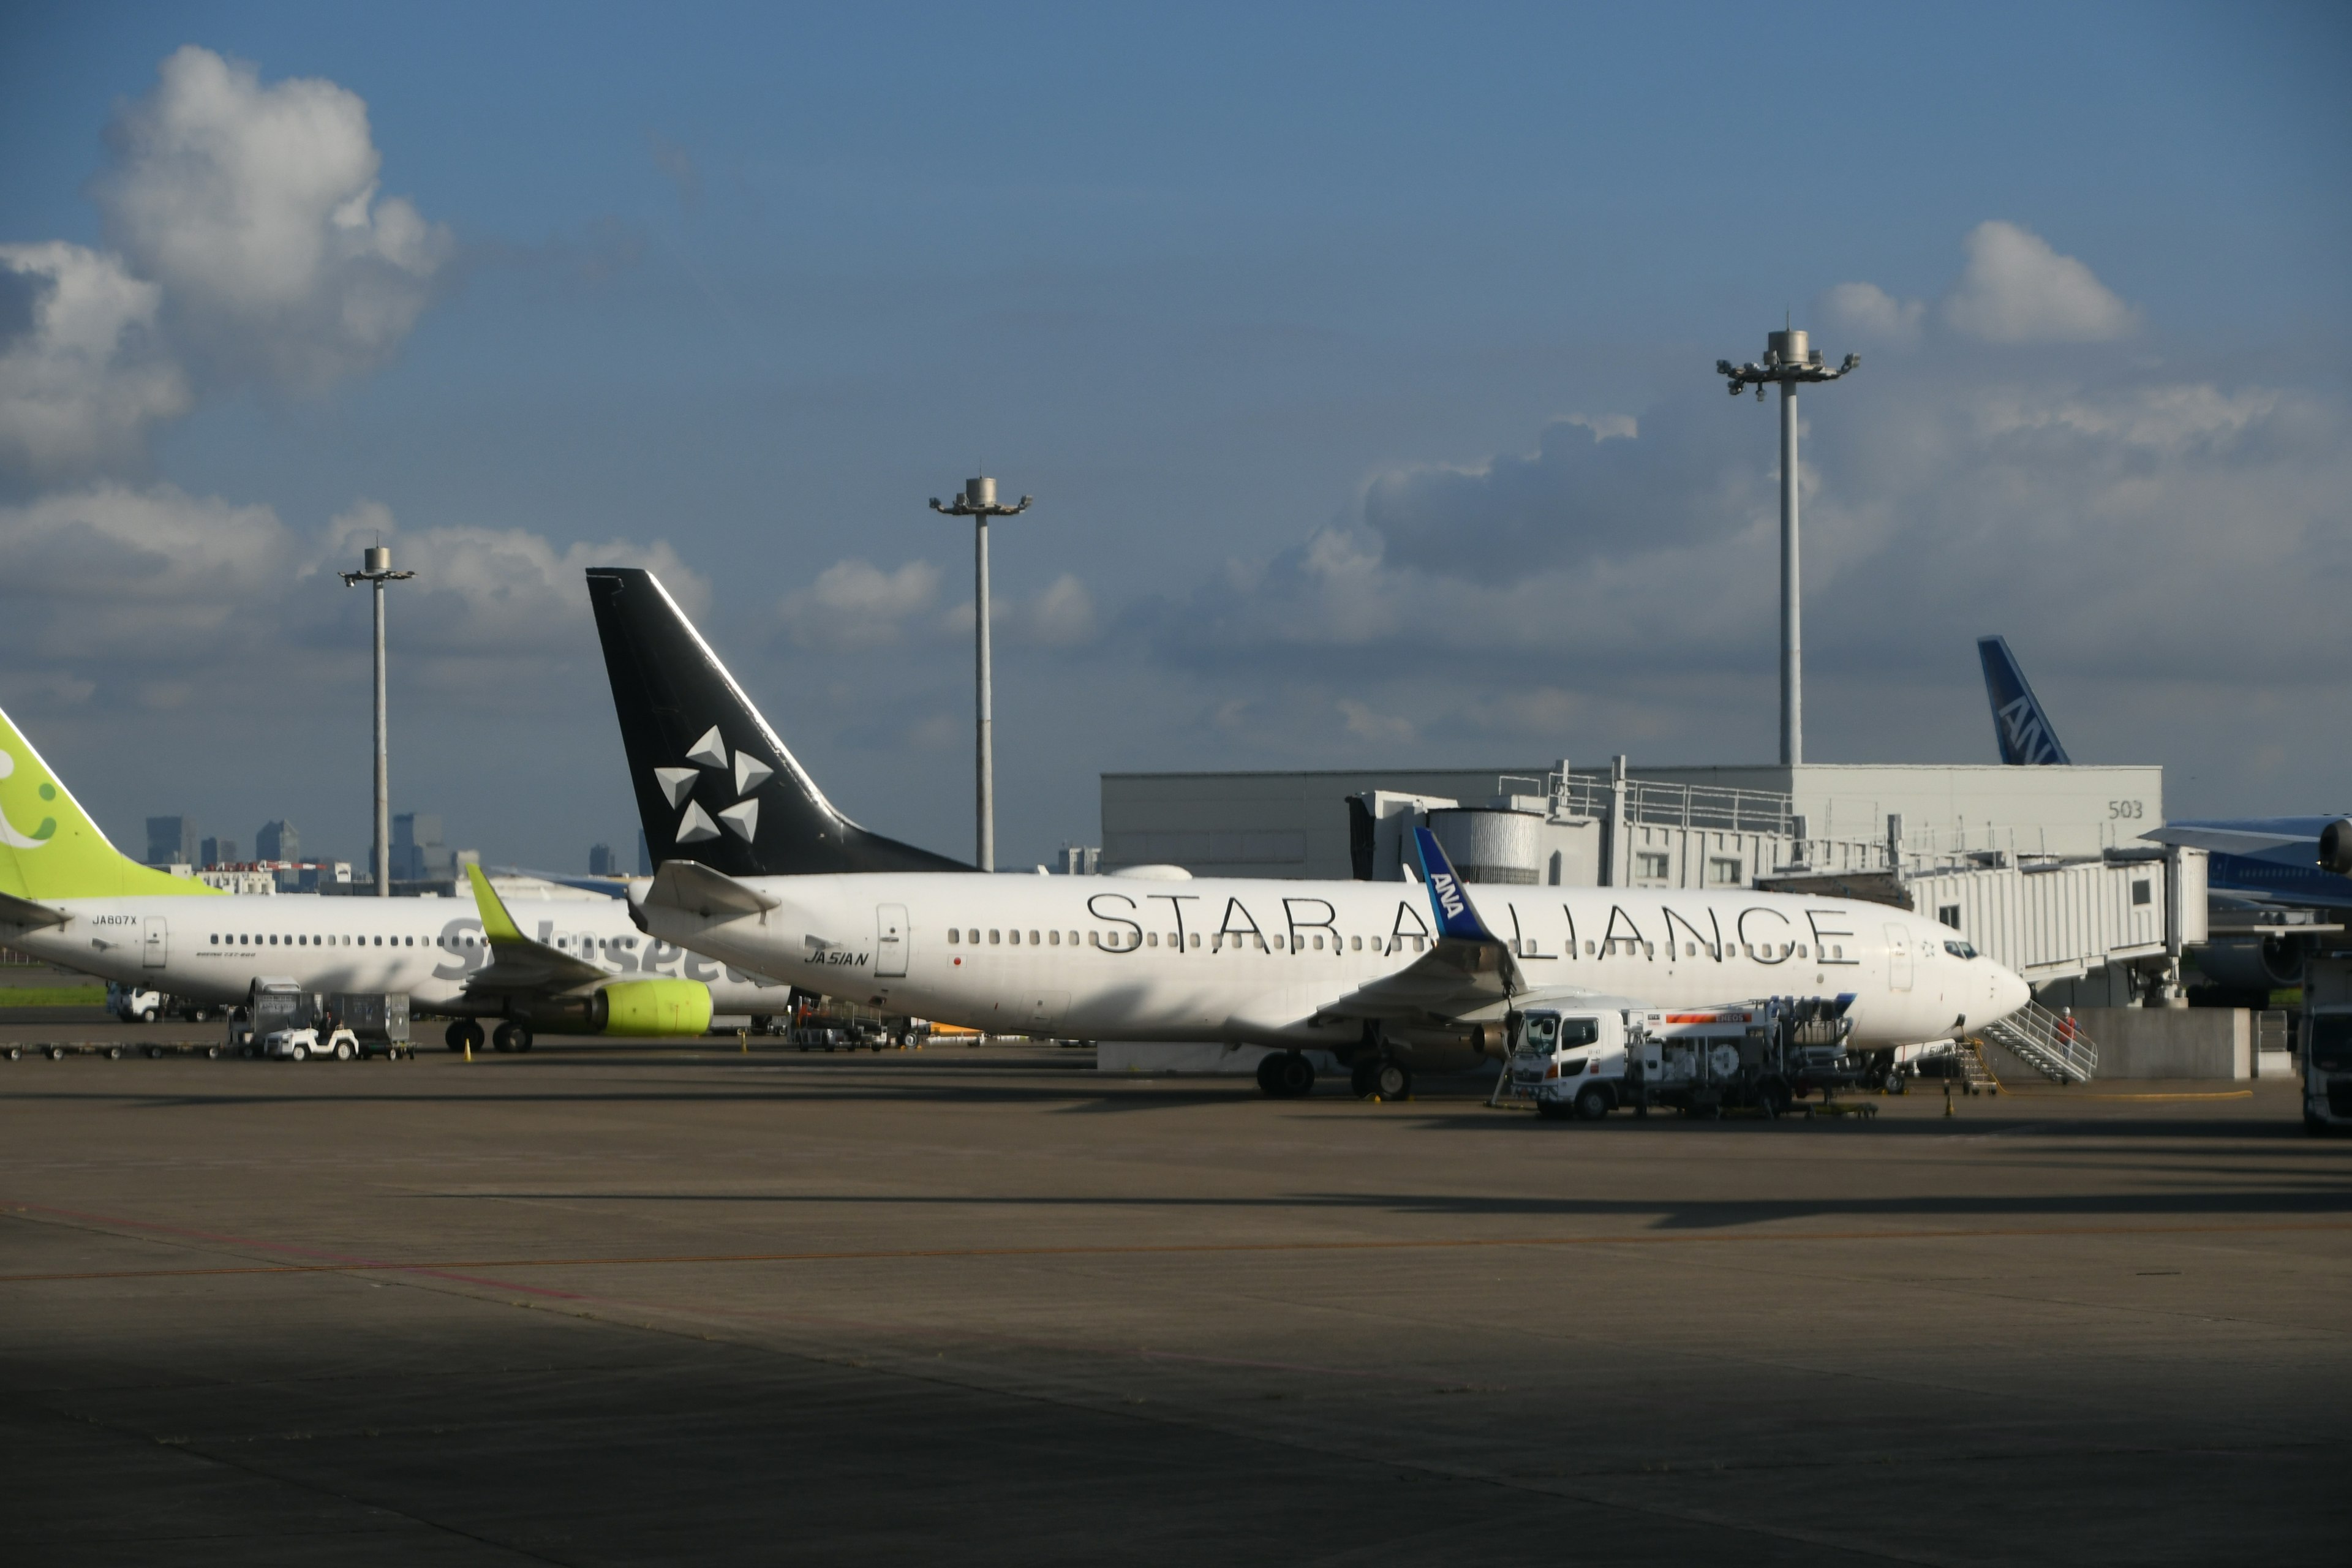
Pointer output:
x,y
714,783
2018,720
50,849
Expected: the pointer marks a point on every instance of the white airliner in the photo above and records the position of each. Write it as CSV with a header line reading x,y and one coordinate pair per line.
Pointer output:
x,y
758,869
67,895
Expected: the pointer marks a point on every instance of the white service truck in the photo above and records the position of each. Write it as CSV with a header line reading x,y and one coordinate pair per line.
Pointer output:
x,y
1592,1057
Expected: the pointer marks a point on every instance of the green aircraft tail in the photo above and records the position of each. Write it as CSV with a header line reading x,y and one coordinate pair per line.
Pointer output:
x,y
50,849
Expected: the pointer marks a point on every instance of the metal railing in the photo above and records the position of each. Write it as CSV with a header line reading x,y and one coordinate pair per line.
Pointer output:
x,y
2049,1044
1677,806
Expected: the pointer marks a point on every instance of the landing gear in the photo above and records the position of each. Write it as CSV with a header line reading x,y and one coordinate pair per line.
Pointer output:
x,y
1380,1078
511,1036
464,1034
1286,1075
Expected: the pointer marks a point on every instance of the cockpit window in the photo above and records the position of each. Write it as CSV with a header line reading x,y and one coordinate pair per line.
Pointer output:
x,y
1960,949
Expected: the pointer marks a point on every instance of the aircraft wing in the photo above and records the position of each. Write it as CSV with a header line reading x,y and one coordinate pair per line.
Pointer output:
x,y
517,962
2248,837
16,911
1468,970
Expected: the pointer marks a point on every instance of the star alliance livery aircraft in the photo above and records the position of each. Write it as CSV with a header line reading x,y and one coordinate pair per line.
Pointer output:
x,y
67,895
758,869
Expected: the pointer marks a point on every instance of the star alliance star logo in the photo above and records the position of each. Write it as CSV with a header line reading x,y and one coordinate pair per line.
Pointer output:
x,y
742,818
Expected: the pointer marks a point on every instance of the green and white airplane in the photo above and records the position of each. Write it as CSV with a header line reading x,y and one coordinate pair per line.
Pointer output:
x,y
67,895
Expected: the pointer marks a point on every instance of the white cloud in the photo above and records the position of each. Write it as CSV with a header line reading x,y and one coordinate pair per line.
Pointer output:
x,y
119,575
2017,290
82,373
1870,311
1367,723
103,587
855,604
1062,614
256,209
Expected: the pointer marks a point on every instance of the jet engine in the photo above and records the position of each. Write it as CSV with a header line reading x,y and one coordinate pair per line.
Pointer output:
x,y
2336,847
650,1007
2252,967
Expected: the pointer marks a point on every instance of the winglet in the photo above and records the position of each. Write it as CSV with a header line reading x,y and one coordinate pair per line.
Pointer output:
x,y
498,926
1455,917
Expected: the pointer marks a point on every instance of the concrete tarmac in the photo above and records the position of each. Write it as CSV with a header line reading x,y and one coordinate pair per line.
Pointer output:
x,y
614,1304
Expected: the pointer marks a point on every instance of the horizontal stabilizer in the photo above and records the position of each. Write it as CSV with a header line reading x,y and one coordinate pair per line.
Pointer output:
x,y
696,889
16,911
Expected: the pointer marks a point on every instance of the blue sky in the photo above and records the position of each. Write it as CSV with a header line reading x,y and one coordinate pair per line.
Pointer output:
x,y
1358,358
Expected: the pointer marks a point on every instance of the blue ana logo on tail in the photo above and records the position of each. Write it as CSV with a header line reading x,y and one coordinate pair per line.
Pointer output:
x,y
2018,722
1455,917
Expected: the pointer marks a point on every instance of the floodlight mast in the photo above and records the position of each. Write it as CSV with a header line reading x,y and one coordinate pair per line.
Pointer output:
x,y
1788,360
979,503
375,568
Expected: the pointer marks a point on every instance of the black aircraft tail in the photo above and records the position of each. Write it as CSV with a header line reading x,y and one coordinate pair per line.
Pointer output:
x,y
714,783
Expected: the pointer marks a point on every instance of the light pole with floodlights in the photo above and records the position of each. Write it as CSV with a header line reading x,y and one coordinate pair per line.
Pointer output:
x,y
1787,361
979,503
375,568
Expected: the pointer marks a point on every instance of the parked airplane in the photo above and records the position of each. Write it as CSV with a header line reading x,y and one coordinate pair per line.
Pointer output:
x,y
2259,865
67,895
756,868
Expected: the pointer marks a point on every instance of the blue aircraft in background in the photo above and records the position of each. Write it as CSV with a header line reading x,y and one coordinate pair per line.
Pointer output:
x,y
2258,865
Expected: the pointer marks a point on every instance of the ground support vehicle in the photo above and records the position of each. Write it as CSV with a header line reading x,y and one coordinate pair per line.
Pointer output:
x,y
1588,1059
2326,1042
135,1004
303,1044
375,1023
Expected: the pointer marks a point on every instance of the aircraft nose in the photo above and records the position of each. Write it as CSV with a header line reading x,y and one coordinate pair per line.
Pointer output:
x,y
2009,991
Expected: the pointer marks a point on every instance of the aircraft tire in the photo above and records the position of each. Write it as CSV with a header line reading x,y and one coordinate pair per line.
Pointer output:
x,y
1592,1103
1393,1079
502,1038
456,1035
523,1038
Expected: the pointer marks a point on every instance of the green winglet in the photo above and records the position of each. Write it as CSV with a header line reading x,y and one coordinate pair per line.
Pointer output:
x,y
497,924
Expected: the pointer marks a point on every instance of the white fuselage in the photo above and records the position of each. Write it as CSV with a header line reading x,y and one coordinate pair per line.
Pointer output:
x,y
1257,962
212,949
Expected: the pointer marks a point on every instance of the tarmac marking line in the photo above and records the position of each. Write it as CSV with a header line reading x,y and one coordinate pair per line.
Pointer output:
x,y
450,1268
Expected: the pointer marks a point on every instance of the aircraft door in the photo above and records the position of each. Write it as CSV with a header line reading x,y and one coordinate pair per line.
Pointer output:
x,y
1898,959
156,951
890,941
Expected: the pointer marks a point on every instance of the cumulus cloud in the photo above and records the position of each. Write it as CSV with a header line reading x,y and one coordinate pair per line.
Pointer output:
x,y
2017,290
1592,489
102,586
1870,311
854,605
82,372
256,209
1061,614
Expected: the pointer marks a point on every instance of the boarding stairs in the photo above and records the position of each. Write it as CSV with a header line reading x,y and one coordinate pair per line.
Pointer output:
x,y
2051,1045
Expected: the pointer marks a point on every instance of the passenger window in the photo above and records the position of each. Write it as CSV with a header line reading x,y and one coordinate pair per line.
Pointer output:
x,y
973,936
1152,939
1014,937
1690,949
954,935
1073,939
1588,948
1032,938
1318,944
995,936
1801,946
273,942
1196,939
1580,1032
1355,944
1094,939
